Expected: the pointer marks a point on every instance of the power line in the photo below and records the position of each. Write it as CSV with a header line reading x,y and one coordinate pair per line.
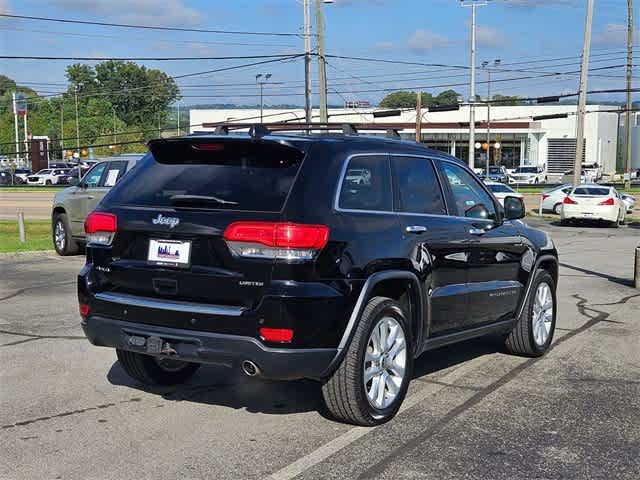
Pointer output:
x,y
141,59
150,27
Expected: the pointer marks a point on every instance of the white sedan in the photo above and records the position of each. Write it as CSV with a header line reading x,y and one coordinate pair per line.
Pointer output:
x,y
552,199
500,191
48,176
593,202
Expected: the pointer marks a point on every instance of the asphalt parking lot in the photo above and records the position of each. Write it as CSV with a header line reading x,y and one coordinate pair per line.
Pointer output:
x,y
68,411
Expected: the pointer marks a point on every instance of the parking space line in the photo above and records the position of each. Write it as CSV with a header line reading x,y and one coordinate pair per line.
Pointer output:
x,y
333,446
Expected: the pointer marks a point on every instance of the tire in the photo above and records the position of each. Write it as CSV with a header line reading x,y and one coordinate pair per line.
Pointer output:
x,y
564,222
527,337
148,369
63,242
345,392
47,182
536,181
557,208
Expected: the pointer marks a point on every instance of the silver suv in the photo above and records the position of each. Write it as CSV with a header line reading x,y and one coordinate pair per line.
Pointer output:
x,y
72,205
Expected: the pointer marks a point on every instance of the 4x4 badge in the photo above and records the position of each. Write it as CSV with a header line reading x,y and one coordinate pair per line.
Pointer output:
x,y
170,221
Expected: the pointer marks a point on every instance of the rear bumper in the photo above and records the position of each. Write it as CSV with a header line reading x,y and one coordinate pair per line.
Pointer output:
x,y
211,348
595,212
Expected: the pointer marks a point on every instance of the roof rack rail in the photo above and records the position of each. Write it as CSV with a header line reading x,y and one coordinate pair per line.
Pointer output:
x,y
222,130
258,131
392,133
349,129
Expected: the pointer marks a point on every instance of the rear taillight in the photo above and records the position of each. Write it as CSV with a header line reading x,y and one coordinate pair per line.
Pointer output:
x,y
84,310
569,201
276,335
279,240
100,228
545,196
608,201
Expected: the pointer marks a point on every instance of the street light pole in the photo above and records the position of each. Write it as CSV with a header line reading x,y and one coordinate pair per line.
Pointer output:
x,y
114,125
472,107
582,91
262,83
62,129
307,61
627,123
486,65
322,66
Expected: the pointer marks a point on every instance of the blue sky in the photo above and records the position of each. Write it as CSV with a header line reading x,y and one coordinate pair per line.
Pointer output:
x,y
424,31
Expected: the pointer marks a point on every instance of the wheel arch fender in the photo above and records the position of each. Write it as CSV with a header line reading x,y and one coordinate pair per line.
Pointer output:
x,y
417,314
547,262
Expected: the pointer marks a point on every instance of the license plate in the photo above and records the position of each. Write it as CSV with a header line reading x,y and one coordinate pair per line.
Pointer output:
x,y
170,253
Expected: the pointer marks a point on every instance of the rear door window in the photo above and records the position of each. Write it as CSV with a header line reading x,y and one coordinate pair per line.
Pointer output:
x,y
200,174
114,172
366,184
417,186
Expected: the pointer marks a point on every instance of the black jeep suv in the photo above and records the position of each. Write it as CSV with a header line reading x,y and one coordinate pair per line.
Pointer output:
x,y
333,257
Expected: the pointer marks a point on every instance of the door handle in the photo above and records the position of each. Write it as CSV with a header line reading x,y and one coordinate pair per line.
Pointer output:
x,y
415,229
477,231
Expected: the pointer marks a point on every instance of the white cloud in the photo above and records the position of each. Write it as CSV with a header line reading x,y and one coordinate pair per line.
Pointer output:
x,y
423,40
613,34
4,6
489,37
541,3
383,46
167,12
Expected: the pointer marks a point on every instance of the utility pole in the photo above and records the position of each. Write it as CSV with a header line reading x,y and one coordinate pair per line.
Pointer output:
x,y
308,113
419,117
62,130
75,91
178,118
15,119
322,66
26,141
114,125
627,122
582,91
486,65
472,106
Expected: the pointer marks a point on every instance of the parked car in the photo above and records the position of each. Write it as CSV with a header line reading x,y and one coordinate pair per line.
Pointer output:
x,y
496,174
552,199
48,176
71,176
528,176
266,254
589,173
22,174
72,205
629,201
501,191
61,165
593,202
8,178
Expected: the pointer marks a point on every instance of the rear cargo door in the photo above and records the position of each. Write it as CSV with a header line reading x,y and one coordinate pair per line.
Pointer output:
x,y
174,207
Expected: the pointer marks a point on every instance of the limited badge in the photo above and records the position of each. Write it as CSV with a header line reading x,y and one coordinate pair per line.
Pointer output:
x,y
154,345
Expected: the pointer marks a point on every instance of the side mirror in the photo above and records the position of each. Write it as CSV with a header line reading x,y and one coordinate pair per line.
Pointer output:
x,y
478,211
514,208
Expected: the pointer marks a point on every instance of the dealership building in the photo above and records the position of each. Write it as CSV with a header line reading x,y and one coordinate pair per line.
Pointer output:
x,y
517,135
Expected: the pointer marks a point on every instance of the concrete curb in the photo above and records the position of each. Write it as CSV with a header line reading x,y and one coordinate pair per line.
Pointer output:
x,y
41,253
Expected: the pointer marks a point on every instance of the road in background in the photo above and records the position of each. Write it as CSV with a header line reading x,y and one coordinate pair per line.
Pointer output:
x,y
67,410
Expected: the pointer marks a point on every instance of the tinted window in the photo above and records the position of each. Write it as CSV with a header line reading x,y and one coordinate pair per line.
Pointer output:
x,y
366,184
466,190
526,170
495,170
92,178
418,188
231,175
591,191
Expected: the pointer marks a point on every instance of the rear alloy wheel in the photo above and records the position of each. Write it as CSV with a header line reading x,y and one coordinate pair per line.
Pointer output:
x,y
152,370
557,208
63,242
47,182
532,334
371,382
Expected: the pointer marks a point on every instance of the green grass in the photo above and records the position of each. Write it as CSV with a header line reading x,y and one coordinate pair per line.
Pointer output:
x,y
38,236
34,188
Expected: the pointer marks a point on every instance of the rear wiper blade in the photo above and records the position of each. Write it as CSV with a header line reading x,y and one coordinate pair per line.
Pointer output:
x,y
201,198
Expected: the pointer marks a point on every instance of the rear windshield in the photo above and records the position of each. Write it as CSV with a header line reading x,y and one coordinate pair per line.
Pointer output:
x,y
495,170
600,192
500,189
241,176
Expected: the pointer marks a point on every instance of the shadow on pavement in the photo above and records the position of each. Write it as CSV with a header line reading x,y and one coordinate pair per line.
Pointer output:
x,y
227,387
620,281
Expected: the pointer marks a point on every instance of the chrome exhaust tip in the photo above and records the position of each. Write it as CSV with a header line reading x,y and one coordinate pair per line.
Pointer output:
x,y
250,369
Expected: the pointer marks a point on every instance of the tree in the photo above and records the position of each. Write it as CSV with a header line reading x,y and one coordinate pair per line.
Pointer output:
x,y
507,100
406,99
